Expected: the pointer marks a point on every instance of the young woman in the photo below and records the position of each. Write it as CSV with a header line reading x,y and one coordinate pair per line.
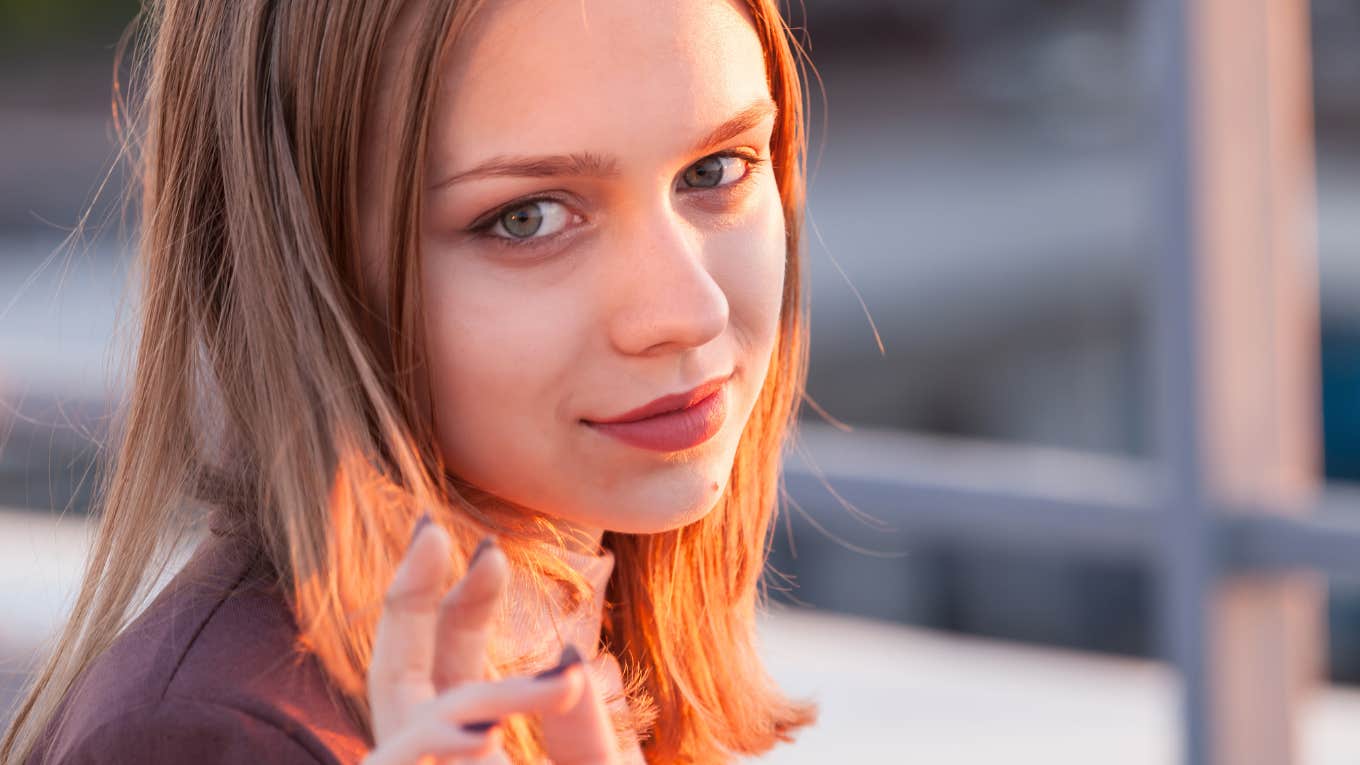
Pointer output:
x,y
524,272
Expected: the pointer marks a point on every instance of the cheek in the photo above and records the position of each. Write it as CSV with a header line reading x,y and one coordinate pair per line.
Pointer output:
x,y
498,358
749,263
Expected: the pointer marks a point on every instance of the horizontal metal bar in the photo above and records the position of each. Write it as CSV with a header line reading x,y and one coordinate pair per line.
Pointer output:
x,y
909,514
925,490
1326,540
932,489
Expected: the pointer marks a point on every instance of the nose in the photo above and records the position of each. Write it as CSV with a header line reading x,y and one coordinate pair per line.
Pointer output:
x,y
665,298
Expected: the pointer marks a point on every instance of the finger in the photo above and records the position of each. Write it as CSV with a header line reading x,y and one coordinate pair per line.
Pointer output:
x,y
438,739
581,734
493,701
399,673
465,616
496,756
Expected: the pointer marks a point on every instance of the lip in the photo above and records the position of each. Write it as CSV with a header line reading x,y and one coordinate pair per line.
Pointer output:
x,y
699,416
665,404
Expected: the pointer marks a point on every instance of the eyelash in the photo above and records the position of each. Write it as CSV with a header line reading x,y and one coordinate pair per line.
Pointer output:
x,y
482,228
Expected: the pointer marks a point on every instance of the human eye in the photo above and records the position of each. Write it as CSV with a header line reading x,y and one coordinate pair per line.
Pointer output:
x,y
722,169
527,221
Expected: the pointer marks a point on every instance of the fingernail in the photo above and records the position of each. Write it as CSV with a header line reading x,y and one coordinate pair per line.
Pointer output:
x,y
481,726
487,543
420,524
570,656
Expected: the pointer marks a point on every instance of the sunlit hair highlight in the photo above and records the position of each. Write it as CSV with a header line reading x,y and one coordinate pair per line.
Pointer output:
x,y
269,392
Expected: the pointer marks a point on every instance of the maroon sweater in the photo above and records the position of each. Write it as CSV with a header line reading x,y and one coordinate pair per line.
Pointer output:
x,y
208,675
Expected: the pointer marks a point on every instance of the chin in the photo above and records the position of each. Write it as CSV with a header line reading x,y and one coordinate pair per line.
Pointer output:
x,y
663,508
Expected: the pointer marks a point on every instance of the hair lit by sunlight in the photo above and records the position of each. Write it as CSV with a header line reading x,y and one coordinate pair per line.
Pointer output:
x,y
264,389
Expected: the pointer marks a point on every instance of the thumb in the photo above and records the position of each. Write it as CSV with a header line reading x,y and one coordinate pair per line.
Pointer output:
x,y
582,734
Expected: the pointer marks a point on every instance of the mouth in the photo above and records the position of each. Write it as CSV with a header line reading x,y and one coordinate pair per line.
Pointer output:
x,y
671,423
667,404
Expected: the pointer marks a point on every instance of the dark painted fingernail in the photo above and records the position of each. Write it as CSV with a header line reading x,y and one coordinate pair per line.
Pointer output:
x,y
487,543
481,726
570,656
420,524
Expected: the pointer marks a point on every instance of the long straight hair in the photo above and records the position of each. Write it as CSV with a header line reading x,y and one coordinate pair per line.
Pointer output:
x,y
267,389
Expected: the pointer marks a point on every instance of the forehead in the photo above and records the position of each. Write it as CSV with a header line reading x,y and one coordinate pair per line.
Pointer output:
x,y
595,75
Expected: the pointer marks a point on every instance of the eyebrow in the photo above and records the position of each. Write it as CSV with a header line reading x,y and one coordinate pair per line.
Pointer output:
x,y
743,121
587,164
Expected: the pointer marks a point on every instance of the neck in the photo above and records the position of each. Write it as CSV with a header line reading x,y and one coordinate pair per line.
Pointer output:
x,y
552,530
539,621
578,539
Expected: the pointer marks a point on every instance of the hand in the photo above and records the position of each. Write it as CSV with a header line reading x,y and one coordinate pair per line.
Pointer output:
x,y
426,687
583,733
426,681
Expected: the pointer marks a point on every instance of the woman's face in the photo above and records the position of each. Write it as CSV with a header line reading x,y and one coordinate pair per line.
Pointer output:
x,y
601,230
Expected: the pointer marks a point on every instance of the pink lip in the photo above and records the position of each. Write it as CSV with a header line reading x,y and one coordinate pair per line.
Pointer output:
x,y
668,403
672,423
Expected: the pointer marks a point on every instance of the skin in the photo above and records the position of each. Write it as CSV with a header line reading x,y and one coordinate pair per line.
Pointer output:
x,y
425,679
637,283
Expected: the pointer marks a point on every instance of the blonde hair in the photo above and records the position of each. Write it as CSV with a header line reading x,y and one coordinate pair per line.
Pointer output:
x,y
259,388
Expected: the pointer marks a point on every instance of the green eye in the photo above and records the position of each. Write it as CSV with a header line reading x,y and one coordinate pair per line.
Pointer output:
x,y
523,221
704,173
715,170
534,219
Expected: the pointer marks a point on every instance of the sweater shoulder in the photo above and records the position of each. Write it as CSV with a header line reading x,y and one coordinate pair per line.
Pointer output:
x,y
216,651
193,730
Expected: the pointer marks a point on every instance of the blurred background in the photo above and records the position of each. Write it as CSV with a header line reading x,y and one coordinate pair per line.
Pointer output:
x,y
982,203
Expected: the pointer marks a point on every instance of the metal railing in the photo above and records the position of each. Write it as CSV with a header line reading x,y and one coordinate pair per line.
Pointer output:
x,y
1230,515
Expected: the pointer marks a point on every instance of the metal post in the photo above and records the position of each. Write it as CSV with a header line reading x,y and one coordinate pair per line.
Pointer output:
x,y
1237,335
